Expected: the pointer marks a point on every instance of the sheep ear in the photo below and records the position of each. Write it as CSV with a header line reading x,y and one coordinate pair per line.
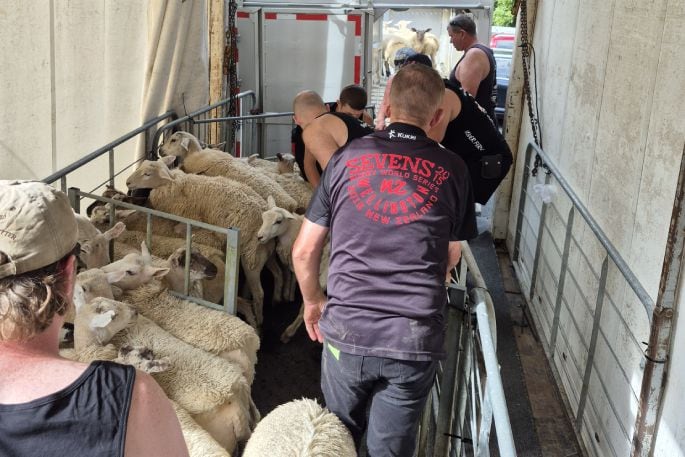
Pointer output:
x,y
289,215
413,29
184,143
271,203
102,320
428,30
168,161
115,276
279,156
160,272
115,231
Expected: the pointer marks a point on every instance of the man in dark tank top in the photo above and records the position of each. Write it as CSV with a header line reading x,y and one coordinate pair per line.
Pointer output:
x,y
325,132
50,405
476,71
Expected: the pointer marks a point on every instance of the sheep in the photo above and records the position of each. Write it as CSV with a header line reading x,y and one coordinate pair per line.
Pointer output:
x,y
211,162
390,45
142,358
94,251
214,200
296,187
173,249
210,388
285,163
300,428
283,225
425,43
199,442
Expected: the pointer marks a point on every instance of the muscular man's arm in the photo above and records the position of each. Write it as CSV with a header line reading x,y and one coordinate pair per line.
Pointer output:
x,y
306,254
310,170
472,70
153,427
451,106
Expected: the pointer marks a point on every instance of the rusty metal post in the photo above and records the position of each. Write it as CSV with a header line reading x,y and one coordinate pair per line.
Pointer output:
x,y
659,347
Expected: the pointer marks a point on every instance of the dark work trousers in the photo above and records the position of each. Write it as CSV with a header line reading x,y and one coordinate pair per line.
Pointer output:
x,y
397,390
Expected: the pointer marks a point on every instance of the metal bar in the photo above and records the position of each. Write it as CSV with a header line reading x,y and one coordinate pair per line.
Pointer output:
x,y
505,438
538,244
593,341
522,206
231,274
63,184
111,167
148,230
98,152
74,200
186,271
659,347
562,281
485,425
632,280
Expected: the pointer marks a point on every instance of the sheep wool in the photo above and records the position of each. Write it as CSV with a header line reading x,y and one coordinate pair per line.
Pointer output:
x,y
199,442
300,428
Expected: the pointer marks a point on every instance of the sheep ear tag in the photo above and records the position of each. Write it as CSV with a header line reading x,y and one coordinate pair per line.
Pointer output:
x,y
184,143
102,320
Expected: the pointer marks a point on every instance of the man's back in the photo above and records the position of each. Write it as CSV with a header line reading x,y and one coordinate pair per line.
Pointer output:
x,y
331,131
396,200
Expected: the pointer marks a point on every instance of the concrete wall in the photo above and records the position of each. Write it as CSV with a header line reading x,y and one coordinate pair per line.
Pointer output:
x,y
611,90
72,80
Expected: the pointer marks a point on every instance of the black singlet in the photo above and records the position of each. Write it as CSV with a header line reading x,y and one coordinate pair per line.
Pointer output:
x,y
474,137
356,128
487,89
87,418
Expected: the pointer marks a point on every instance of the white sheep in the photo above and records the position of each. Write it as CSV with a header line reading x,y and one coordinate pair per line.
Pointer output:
x,y
284,163
390,45
210,162
425,43
95,244
300,428
296,187
284,226
215,200
199,442
210,388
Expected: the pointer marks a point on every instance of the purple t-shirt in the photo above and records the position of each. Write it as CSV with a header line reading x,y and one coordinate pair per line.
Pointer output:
x,y
392,200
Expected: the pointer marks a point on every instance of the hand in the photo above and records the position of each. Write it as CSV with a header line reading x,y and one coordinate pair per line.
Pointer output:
x,y
312,314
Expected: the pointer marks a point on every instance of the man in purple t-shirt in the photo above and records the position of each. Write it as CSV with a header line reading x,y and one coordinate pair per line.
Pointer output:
x,y
396,205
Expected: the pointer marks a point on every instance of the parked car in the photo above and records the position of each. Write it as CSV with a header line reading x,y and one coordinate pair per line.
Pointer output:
x,y
502,41
503,60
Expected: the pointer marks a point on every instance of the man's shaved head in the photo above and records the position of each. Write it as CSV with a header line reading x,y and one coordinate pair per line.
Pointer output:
x,y
306,106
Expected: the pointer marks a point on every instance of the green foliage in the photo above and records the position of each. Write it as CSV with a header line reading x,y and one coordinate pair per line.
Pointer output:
x,y
502,15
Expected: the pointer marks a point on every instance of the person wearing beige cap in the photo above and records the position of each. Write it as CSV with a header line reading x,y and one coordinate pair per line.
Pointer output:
x,y
50,405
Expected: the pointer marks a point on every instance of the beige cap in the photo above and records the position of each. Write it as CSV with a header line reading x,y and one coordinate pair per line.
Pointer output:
x,y
37,226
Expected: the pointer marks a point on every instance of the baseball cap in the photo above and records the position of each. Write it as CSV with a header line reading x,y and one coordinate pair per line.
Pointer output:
x,y
37,226
420,58
403,54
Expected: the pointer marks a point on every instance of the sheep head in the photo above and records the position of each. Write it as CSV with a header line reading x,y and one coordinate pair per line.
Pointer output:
x,y
100,319
180,144
200,268
286,163
142,358
138,269
420,34
151,174
95,251
274,222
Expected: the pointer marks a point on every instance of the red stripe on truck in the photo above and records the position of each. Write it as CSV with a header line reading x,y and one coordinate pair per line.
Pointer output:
x,y
357,68
357,19
237,148
269,15
311,17
242,15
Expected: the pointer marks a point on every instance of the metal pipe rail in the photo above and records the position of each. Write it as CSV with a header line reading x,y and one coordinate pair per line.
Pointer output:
x,y
574,289
232,246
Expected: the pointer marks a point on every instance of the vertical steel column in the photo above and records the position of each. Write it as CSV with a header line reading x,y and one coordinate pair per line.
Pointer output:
x,y
63,183
148,230
562,280
522,203
110,153
74,199
593,342
231,275
660,335
186,271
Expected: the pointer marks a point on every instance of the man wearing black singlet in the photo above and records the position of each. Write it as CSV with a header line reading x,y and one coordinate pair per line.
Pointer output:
x,y
50,405
476,71
324,132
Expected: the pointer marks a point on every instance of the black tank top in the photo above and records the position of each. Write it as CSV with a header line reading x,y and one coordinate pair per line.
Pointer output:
x,y
473,136
356,128
87,418
487,89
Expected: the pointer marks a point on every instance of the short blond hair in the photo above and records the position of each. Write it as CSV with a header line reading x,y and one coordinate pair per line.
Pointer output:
x,y
30,301
307,100
416,93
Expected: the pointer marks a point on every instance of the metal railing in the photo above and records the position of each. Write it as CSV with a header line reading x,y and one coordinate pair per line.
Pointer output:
x,y
590,310
224,132
468,392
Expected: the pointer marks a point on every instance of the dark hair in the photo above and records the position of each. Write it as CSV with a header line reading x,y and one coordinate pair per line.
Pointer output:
x,y
420,58
354,96
416,93
464,22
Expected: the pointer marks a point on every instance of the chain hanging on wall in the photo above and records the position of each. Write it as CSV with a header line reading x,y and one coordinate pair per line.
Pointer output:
x,y
526,48
230,70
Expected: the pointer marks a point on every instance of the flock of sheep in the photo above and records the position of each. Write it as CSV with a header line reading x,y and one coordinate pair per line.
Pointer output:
x,y
202,358
395,38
